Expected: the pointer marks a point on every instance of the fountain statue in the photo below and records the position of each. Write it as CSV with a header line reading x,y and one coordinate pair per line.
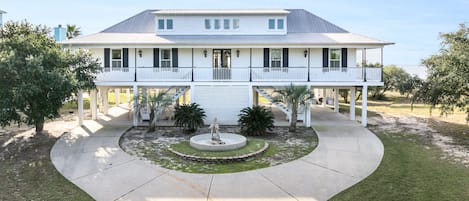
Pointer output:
x,y
215,132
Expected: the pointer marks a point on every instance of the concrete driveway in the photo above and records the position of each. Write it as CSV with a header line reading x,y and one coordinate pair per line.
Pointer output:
x,y
91,158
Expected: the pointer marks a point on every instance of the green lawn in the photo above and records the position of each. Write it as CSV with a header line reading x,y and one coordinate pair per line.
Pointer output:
x,y
411,170
252,146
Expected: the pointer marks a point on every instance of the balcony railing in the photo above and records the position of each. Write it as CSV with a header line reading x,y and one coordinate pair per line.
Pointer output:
x,y
241,74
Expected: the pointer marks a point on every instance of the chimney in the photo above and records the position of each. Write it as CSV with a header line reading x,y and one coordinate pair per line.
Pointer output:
x,y
1,17
60,33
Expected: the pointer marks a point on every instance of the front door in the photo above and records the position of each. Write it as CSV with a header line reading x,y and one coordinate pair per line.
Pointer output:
x,y
221,64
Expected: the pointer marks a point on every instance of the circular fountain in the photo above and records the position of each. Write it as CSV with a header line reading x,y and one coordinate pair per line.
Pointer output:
x,y
216,141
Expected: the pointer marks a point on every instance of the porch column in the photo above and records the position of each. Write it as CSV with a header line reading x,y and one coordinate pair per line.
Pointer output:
x,y
308,111
93,104
144,92
251,96
104,97
364,100
352,104
256,96
324,98
192,95
336,100
117,93
135,106
127,91
316,94
80,108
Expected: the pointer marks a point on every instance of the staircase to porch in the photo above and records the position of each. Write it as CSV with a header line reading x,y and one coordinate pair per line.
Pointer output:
x,y
281,106
145,114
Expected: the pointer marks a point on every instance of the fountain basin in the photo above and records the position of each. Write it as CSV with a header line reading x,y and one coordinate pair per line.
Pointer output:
x,y
231,142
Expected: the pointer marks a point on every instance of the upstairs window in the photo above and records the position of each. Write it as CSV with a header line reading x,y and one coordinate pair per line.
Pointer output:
x,y
208,25
217,24
235,23
166,58
275,57
271,24
335,56
280,24
168,22
116,56
226,24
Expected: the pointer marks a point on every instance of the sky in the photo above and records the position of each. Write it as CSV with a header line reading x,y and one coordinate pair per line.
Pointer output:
x,y
413,26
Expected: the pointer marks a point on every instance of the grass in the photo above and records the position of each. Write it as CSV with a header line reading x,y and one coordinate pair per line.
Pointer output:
x,y
252,146
411,170
28,174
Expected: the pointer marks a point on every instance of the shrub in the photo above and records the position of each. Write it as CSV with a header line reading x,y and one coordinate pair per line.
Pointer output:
x,y
189,117
256,121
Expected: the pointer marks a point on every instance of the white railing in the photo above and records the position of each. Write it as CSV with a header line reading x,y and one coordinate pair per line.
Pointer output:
x,y
245,74
146,74
280,74
116,75
221,74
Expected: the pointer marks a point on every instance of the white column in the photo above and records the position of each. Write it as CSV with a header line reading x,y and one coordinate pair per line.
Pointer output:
x,y
308,111
93,104
104,97
316,94
117,93
127,91
251,95
80,108
364,104
352,103
336,100
144,92
324,97
135,113
192,94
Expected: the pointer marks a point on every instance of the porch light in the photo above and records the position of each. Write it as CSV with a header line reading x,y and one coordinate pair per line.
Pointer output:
x,y
237,53
140,53
306,53
205,53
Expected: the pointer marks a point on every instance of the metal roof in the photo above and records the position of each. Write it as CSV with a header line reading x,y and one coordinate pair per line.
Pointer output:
x,y
221,12
299,21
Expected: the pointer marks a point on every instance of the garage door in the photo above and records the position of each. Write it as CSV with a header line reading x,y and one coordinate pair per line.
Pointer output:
x,y
222,102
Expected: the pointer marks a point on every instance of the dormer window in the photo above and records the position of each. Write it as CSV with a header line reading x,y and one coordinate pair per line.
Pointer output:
x,y
276,24
280,24
208,25
165,24
271,24
226,24
217,24
221,24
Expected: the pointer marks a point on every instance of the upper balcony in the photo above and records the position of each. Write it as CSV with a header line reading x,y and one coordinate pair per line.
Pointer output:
x,y
247,74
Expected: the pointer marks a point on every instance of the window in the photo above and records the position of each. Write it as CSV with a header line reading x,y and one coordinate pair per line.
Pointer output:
x,y
271,24
208,25
116,56
169,24
335,58
161,24
235,23
226,24
217,24
275,57
166,58
280,24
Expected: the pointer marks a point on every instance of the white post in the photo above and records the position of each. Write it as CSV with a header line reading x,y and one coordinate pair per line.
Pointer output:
x,y
105,100
308,111
192,94
144,92
117,93
352,103
93,104
250,95
336,100
324,98
135,113
364,100
128,95
80,108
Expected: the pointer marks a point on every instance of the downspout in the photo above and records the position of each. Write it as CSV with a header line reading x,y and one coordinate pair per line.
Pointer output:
x,y
192,68
364,64
250,64
382,66
135,64
309,62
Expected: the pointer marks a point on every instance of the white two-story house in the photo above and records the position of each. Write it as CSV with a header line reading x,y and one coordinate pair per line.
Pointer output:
x,y
223,59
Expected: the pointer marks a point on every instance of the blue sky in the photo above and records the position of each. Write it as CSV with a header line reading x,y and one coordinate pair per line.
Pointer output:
x,y
413,25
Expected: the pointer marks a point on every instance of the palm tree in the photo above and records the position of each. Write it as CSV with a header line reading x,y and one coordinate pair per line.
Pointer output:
x,y
293,96
73,31
156,103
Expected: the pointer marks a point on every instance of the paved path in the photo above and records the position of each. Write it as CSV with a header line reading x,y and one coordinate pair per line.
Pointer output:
x,y
91,158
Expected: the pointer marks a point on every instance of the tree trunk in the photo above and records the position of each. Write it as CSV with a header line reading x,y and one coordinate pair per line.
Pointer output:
x,y
39,124
151,126
294,116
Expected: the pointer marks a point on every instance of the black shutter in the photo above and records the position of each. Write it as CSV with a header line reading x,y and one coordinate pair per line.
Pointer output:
x,y
344,57
175,57
107,57
266,57
325,57
285,57
125,59
156,57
